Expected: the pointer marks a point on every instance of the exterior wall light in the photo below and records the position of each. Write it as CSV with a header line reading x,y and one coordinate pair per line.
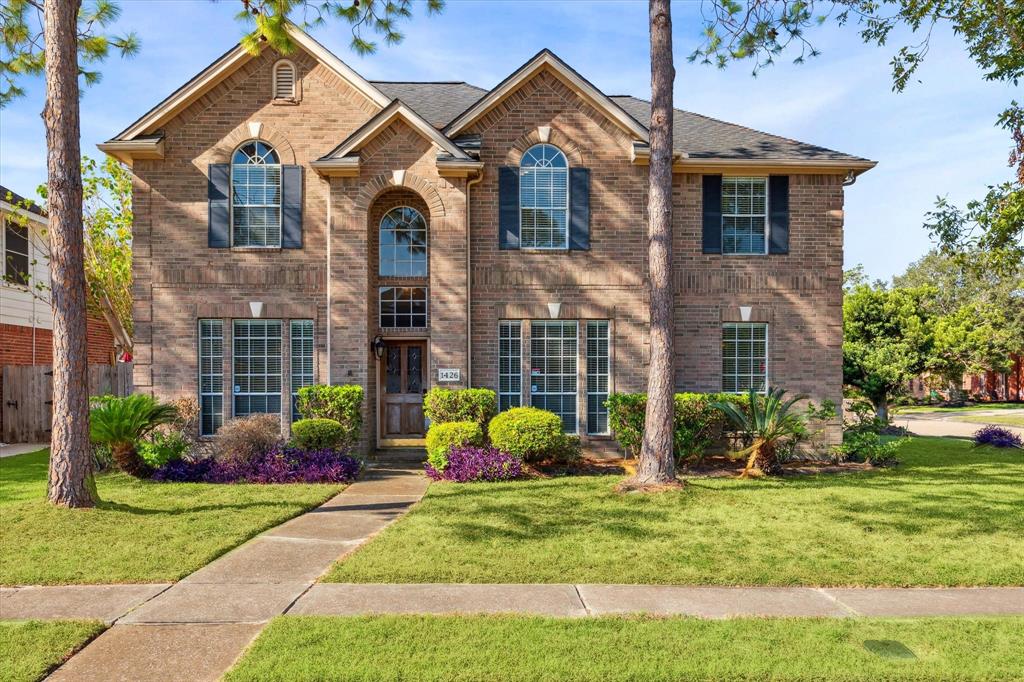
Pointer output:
x,y
377,345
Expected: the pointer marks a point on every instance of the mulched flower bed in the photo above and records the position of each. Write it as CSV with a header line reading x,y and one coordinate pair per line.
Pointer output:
x,y
279,465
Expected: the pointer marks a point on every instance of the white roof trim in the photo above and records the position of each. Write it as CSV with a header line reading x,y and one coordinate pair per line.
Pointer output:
x,y
228,64
7,208
548,59
392,112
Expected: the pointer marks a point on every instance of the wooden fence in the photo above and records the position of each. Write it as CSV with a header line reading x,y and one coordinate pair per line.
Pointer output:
x,y
27,407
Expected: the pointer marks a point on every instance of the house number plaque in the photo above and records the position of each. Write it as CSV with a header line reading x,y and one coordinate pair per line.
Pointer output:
x,y
448,374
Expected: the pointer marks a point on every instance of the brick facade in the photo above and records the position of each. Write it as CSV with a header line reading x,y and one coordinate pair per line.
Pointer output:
x,y
333,278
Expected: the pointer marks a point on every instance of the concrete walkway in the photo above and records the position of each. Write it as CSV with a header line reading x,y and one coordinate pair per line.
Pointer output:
x,y
195,629
950,424
12,449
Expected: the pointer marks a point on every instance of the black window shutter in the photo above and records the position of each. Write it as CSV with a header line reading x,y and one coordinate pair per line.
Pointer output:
x,y
711,238
218,193
291,207
579,209
778,217
508,207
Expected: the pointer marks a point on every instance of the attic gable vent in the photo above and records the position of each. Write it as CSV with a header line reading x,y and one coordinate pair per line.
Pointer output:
x,y
284,80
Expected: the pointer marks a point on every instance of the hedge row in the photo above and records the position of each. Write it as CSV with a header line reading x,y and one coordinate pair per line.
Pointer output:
x,y
697,426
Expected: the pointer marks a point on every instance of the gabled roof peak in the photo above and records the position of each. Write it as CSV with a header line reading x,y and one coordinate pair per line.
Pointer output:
x,y
546,58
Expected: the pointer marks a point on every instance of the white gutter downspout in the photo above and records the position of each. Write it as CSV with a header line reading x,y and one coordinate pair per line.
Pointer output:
x,y
329,230
469,286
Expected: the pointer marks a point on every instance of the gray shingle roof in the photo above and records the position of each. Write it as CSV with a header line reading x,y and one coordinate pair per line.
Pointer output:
x,y
701,137
437,102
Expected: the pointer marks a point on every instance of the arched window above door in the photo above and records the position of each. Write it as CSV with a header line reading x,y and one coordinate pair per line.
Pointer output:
x,y
403,243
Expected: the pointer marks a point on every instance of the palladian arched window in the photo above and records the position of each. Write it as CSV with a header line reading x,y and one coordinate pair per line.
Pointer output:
x,y
403,243
544,198
255,195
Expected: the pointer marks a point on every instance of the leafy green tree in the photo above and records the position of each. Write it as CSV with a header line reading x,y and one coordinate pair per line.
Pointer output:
x,y
268,20
993,34
887,341
107,223
979,316
57,38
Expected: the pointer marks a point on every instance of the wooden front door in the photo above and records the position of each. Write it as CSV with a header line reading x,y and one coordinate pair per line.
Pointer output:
x,y
403,383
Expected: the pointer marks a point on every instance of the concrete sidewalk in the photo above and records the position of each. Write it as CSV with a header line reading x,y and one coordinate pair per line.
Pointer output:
x,y
195,629
946,424
12,449
661,600
193,601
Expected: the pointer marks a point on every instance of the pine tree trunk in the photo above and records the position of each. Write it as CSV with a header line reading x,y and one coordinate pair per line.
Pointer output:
x,y
71,483
656,465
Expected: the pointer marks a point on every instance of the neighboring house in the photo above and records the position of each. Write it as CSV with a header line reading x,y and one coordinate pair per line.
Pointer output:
x,y
26,320
998,386
296,223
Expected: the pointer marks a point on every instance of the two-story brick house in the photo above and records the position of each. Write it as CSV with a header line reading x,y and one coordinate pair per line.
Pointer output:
x,y
296,223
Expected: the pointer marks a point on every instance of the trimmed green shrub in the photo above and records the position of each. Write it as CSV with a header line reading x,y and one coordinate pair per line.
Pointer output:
x,y
697,426
317,433
163,448
443,405
441,438
529,433
343,404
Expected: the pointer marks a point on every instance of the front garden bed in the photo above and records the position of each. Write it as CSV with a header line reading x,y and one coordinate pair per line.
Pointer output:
x,y
950,514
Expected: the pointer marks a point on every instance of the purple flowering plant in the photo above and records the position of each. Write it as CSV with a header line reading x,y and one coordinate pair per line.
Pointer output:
x,y
997,436
278,465
474,463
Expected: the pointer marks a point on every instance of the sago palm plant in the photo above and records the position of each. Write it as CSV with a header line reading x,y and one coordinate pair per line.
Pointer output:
x,y
769,424
122,422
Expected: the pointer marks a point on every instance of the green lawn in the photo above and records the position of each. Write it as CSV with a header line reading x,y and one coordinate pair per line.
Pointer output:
x,y
31,648
1002,419
141,532
949,515
482,648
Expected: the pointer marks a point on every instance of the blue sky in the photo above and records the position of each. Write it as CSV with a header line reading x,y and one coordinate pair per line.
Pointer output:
x,y
938,137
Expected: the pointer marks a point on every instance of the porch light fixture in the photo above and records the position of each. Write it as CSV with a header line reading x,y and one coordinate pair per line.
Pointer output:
x,y
377,345
256,308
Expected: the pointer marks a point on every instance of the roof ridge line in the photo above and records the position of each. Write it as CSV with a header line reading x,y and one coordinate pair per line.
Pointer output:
x,y
740,126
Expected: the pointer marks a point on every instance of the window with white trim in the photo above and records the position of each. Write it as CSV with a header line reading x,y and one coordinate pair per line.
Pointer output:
x,y
744,215
510,364
544,198
403,243
598,374
553,381
403,307
211,376
255,195
301,345
744,357
284,80
257,366
16,253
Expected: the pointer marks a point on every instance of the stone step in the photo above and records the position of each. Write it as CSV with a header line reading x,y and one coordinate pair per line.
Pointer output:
x,y
394,455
